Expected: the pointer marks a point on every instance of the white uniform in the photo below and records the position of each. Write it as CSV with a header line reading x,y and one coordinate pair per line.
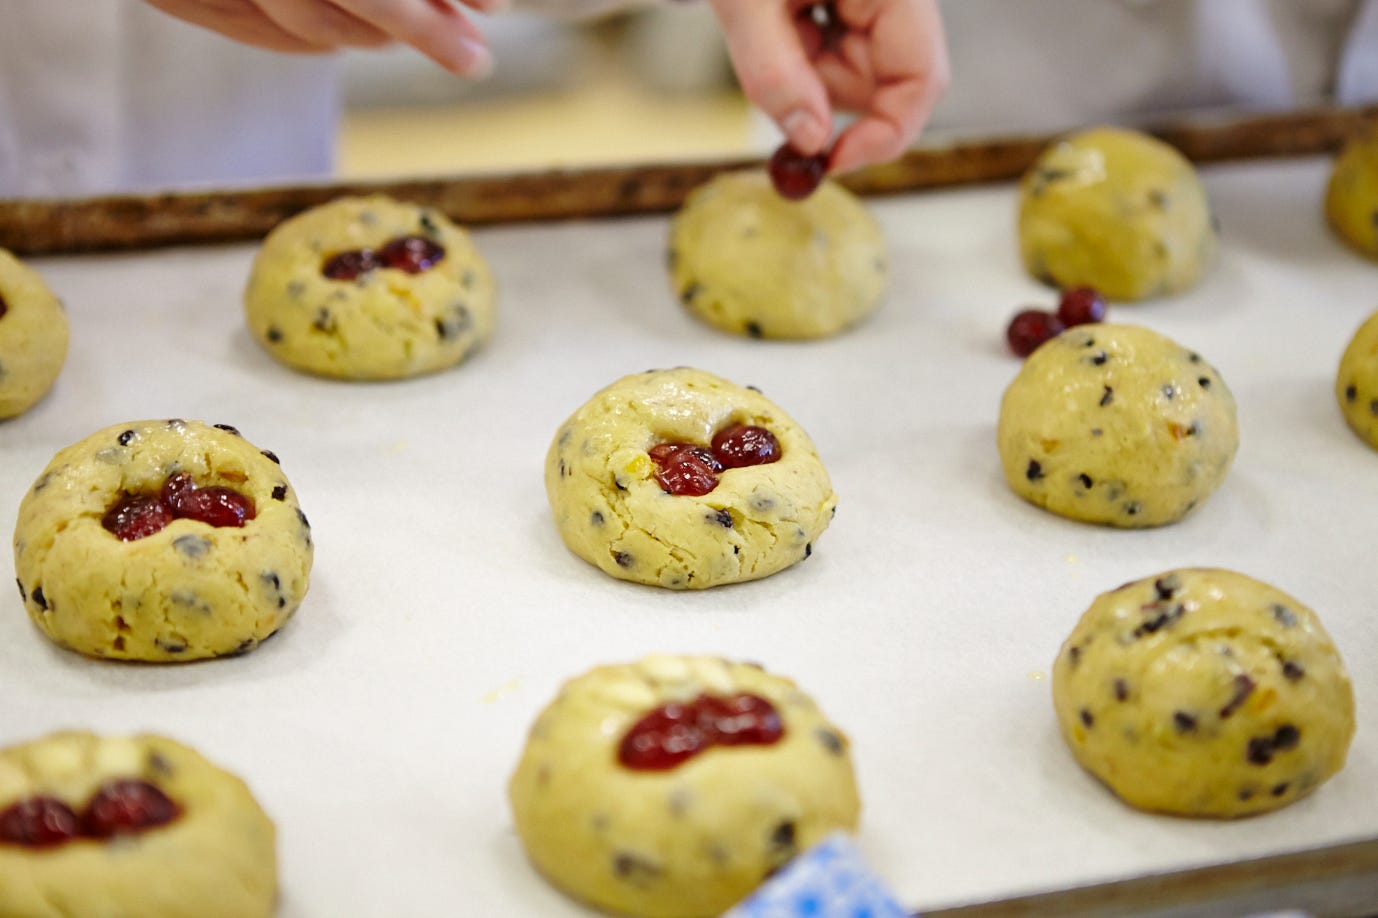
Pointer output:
x,y
1052,64
113,94
119,96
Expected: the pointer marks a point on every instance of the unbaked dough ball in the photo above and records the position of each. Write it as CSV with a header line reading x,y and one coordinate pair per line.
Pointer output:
x,y
1351,199
1116,210
129,827
408,292
1204,693
33,337
1356,385
179,581
697,833
610,500
1118,425
750,262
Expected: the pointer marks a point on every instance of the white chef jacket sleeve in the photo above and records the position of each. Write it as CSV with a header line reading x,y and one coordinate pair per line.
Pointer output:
x,y
124,97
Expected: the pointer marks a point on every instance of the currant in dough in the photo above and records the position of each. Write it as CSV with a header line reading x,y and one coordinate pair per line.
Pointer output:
x,y
203,849
381,322
1204,693
185,592
33,337
1115,210
747,261
688,840
1118,425
1356,385
612,511
1351,198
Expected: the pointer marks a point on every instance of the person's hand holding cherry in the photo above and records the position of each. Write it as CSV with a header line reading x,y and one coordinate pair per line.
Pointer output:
x,y
799,60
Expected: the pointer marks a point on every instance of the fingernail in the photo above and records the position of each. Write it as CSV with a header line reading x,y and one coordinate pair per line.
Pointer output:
x,y
803,131
477,60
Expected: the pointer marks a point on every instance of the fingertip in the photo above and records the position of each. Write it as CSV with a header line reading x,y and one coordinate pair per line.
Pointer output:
x,y
864,144
481,62
467,58
805,131
843,160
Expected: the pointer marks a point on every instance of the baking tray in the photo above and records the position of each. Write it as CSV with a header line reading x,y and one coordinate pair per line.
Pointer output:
x,y
380,727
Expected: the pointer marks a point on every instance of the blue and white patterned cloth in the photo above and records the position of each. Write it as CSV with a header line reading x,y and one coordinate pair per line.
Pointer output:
x,y
830,880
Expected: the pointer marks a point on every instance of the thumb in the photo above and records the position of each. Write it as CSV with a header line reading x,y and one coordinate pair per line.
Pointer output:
x,y
774,71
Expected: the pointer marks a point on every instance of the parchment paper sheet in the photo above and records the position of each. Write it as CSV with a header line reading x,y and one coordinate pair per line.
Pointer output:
x,y
380,726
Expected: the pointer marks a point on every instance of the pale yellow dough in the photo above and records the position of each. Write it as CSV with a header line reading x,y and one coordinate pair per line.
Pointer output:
x,y
33,337
612,512
217,859
692,840
387,323
750,262
1356,385
1351,198
1116,210
1118,425
186,592
1204,693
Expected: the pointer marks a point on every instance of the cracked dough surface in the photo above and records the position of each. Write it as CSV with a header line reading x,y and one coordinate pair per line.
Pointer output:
x,y
186,592
1116,210
1351,198
749,262
1204,693
611,511
385,324
1356,385
217,858
33,337
1118,425
694,839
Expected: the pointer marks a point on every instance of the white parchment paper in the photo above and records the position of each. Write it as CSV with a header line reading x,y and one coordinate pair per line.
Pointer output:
x,y
380,726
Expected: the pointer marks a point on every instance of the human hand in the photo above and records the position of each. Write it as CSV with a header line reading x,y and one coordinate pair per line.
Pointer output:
x,y
884,59
436,28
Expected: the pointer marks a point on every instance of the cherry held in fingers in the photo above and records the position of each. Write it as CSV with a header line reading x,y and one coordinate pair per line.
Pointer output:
x,y
794,175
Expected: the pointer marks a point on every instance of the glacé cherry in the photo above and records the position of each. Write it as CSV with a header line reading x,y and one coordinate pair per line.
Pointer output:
x,y
214,506
831,28
675,732
1030,328
794,175
137,516
349,265
38,822
412,254
127,806
685,469
741,445
1081,306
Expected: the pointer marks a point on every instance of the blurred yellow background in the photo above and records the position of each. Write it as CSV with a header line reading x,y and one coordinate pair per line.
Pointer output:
x,y
652,86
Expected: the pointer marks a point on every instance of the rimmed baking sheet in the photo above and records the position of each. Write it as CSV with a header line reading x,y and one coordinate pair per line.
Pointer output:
x,y
379,728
